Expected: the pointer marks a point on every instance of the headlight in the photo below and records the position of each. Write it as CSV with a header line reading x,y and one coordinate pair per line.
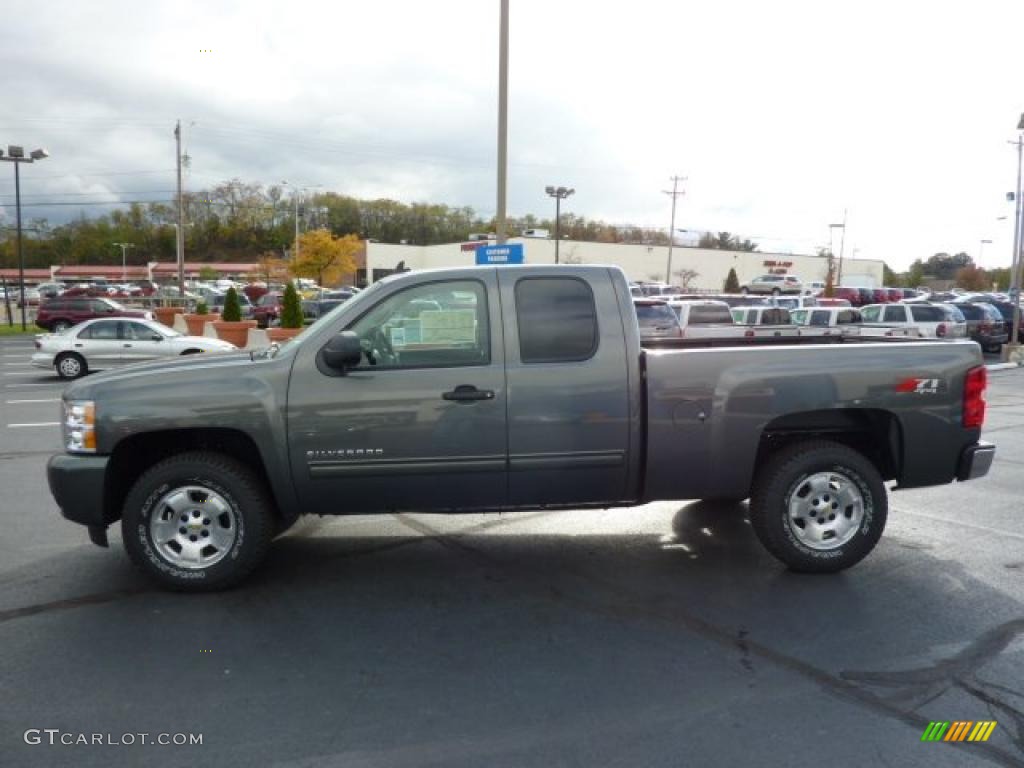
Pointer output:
x,y
80,426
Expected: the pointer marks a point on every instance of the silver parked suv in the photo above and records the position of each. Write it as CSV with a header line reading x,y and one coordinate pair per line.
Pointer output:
x,y
774,284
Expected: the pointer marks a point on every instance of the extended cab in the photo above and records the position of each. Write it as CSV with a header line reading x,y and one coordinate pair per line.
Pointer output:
x,y
503,388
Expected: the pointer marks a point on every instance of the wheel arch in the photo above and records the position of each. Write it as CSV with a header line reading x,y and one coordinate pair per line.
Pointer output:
x,y
138,452
874,433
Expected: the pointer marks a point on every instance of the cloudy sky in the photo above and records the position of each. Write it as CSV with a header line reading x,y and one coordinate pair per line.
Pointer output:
x,y
781,114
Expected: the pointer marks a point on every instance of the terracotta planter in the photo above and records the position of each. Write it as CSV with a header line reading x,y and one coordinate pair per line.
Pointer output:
x,y
195,322
234,332
165,315
283,334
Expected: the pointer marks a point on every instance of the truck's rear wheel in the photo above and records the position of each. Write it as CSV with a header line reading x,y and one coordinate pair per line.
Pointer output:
x,y
197,521
819,506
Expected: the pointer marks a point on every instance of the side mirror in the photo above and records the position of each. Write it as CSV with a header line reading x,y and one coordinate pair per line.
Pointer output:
x,y
343,351
157,337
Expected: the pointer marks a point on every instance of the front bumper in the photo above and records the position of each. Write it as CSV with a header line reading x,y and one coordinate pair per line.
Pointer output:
x,y
975,461
76,483
42,360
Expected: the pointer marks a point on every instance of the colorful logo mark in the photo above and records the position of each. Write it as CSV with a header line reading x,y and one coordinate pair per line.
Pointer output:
x,y
959,730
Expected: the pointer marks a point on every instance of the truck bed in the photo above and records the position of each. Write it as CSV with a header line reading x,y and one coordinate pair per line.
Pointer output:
x,y
712,398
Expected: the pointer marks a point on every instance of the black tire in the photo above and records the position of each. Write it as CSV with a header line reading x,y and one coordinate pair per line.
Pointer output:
x,y
776,292
785,475
60,325
70,365
244,493
744,290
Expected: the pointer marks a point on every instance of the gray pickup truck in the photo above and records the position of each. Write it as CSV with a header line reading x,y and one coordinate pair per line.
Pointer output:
x,y
510,388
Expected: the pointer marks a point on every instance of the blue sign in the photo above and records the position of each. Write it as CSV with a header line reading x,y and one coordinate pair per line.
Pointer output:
x,y
510,253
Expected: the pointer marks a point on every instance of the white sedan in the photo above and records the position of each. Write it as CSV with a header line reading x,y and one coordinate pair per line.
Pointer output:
x,y
112,342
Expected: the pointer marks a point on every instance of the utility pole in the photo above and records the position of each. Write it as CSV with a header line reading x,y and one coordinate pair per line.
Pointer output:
x,y
124,259
675,193
1015,262
181,215
295,250
500,225
842,246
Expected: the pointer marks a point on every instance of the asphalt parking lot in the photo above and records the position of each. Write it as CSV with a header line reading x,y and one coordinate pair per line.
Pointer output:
x,y
660,635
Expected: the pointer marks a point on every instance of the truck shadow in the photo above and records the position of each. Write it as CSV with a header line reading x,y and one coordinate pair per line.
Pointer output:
x,y
453,604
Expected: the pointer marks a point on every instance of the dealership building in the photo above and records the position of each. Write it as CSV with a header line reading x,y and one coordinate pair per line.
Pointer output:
x,y
706,268
641,263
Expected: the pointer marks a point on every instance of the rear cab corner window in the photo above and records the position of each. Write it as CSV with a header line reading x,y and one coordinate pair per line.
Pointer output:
x,y
557,319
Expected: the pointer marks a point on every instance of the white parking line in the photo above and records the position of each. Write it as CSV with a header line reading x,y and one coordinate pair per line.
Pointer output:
x,y
17,364
46,400
35,384
23,373
37,424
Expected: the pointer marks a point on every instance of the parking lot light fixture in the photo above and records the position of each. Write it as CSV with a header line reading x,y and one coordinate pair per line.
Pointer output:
x,y
16,155
559,193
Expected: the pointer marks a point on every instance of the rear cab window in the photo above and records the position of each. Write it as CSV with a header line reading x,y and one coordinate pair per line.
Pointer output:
x,y
927,314
557,319
709,314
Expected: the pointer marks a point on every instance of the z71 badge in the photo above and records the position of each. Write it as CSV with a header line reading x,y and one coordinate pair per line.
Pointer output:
x,y
919,386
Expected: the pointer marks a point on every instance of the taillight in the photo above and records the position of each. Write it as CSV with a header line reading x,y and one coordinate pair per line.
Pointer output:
x,y
974,397
940,331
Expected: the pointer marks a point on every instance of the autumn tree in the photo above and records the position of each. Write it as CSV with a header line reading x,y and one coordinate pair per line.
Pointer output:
x,y
684,277
972,278
272,268
724,241
324,257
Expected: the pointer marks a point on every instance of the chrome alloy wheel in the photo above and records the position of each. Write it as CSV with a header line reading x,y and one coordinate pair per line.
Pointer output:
x,y
193,527
824,510
70,366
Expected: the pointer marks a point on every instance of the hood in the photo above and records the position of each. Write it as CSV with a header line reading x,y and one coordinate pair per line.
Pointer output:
x,y
189,368
205,341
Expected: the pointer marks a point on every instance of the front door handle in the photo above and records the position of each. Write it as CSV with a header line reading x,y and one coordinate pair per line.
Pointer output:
x,y
468,393
127,345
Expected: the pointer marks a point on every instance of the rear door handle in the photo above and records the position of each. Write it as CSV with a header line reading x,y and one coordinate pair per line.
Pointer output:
x,y
127,345
468,393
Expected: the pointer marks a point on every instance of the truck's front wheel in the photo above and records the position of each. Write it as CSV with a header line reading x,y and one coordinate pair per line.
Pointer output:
x,y
197,521
818,506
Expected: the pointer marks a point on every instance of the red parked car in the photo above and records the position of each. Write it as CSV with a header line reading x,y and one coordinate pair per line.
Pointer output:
x,y
894,294
59,314
268,309
852,295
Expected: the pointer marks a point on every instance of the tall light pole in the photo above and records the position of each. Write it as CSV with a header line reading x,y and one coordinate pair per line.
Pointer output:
x,y
981,249
675,193
180,242
559,193
296,191
124,259
1015,263
500,224
16,155
836,276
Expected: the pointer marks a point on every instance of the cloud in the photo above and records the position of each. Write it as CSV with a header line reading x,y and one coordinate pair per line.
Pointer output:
x,y
782,115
